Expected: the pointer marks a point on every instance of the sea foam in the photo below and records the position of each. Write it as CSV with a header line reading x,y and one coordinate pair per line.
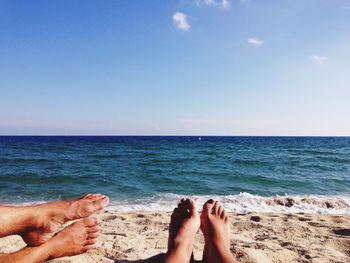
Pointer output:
x,y
243,203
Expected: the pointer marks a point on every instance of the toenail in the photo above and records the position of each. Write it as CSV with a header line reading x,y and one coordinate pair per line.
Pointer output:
x,y
210,201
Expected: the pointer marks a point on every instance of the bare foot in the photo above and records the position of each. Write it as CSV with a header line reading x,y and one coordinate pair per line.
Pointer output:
x,y
183,227
215,228
49,217
74,239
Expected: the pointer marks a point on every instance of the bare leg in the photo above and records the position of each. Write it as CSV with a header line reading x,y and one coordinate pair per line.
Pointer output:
x,y
74,239
37,224
183,227
215,227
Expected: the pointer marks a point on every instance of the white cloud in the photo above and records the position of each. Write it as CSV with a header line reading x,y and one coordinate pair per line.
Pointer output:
x,y
210,2
180,21
318,59
225,4
255,41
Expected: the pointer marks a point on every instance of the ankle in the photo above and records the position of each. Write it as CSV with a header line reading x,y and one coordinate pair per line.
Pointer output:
x,y
181,250
47,250
183,247
217,253
34,217
53,248
62,210
69,210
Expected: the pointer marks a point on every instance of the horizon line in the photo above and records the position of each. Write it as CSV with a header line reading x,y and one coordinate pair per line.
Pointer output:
x,y
155,135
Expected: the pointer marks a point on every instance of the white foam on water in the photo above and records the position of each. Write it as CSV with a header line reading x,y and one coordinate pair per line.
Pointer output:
x,y
241,203
244,203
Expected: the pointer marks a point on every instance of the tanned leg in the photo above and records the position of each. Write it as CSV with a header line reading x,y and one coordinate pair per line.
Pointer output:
x,y
215,228
37,224
73,240
183,227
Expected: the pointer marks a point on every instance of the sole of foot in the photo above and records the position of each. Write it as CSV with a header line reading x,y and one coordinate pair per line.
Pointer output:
x,y
75,239
49,217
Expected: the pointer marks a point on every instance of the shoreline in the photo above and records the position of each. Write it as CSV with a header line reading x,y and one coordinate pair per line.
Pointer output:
x,y
141,236
237,203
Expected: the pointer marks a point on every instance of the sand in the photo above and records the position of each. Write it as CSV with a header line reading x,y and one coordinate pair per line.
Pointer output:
x,y
141,236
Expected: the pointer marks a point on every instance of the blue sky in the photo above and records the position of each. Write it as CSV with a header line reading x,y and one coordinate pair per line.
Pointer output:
x,y
177,67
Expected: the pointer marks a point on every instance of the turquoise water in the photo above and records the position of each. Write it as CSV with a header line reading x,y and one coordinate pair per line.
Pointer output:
x,y
153,172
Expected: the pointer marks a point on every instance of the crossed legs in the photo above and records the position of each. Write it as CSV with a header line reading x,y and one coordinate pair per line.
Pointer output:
x,y
38,224
185,223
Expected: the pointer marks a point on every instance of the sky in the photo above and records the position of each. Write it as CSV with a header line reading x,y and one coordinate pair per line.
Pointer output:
x,y
175,67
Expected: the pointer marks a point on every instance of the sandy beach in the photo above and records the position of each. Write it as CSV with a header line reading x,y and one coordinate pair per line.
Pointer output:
x,y
141,236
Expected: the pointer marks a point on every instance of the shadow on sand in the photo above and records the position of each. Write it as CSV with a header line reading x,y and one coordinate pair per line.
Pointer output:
x,y
155,259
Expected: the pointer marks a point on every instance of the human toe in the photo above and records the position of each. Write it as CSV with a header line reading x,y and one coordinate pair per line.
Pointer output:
x,y
90,221
90,241
215,209
100,201
223,214
208,206
191,207
94,229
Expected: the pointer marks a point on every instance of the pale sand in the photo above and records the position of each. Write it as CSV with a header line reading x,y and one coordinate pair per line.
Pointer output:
x,y
141,236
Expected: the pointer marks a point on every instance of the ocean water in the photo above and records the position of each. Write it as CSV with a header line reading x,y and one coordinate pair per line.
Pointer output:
x,y
271,174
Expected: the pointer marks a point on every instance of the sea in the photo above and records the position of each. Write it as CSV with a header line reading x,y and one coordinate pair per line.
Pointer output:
x,y
245,174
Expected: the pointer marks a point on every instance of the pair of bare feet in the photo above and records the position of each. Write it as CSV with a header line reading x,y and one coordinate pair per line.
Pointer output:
x,y
185,223
38,226
77,237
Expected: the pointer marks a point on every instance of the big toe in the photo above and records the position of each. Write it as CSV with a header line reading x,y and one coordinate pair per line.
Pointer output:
x,y
208,207
191,207
102,201
93,197
90,222
90,196
183,208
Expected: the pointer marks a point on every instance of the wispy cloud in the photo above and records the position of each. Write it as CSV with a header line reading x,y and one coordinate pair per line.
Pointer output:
x,y
225,4
255,41
180,21
222,3
210,2
318,59
346,7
